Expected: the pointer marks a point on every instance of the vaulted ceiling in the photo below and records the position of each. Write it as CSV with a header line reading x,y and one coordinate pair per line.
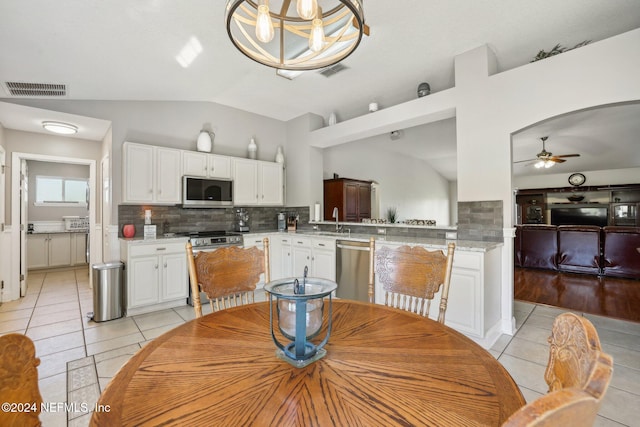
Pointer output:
x,y
126,50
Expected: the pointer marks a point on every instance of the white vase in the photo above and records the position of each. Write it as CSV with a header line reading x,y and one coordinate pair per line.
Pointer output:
x,y
332,119
252,149
204,142
279,155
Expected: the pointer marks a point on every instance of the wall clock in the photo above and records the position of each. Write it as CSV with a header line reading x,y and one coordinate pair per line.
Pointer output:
x,y
577,179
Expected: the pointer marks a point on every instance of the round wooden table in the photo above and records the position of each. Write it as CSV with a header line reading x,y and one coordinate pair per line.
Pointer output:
x,y
383,367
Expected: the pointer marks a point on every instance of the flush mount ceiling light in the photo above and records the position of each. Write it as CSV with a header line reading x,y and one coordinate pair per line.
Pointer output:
x,y
296,34
59,127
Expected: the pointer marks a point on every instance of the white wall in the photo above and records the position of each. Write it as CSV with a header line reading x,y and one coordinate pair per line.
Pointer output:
x,y
175,125
410,185
53,213
604,177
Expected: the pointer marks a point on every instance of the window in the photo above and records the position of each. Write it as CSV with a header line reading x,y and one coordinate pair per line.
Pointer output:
x,y
52,190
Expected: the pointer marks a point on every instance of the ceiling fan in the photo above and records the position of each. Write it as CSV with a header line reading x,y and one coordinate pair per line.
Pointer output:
x,y
545,159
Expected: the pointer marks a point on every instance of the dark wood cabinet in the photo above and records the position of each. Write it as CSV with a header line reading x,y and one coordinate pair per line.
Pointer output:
x,y
531,208
352,198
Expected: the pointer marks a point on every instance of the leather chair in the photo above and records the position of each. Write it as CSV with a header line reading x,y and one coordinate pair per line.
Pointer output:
x,y
517,247
579,249
622,252
539,246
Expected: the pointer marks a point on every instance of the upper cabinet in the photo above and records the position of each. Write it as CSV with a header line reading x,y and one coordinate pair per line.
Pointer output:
x,y
257,183
151,174
206,165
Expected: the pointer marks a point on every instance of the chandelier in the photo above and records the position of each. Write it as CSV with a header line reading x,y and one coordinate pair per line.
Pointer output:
x,y
296,34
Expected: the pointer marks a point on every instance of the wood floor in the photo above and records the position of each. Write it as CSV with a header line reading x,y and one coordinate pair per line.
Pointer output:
x,y
605,296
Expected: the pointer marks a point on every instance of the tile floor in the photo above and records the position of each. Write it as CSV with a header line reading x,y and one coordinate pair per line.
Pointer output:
x,y
78,356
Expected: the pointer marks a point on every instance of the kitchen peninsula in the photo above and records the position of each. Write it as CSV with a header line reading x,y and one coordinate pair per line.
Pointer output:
x,y
474,297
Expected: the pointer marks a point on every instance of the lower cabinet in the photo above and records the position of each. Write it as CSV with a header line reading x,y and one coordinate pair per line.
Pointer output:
x,y
289,254
319,255
155,275
474,306
280,257
52,250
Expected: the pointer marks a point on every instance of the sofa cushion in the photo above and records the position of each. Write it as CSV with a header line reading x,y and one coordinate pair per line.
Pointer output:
x,y
579,248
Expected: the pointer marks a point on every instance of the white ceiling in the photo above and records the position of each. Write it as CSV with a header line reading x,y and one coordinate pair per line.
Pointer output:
x,y
126,49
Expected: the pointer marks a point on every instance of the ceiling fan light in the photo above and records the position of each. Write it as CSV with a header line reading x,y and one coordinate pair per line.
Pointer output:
x,y
548,164
60,127
539,164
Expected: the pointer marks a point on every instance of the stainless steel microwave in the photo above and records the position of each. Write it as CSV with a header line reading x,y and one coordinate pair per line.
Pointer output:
x,y
198,192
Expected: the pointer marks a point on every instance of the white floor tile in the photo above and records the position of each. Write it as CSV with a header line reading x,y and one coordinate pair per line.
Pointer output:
x,y
57,302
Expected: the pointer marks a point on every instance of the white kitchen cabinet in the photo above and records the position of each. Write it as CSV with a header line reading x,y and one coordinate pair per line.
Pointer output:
x,y
48,250
78,248
258,183
474,304
155,274
151,174
280,257
206,165
319,255
324,258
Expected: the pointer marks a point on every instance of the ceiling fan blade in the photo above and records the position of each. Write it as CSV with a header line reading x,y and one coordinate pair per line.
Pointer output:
x,y
568,155
556,159
528,160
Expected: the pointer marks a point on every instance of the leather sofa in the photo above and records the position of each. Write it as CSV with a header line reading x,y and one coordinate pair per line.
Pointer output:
x,y
579,249
611,251
621,253
539,246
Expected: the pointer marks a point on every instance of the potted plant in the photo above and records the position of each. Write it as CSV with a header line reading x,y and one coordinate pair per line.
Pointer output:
x,y
392,213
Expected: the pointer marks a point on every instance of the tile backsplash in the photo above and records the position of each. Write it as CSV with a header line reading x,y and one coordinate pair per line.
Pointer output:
x,y
175,219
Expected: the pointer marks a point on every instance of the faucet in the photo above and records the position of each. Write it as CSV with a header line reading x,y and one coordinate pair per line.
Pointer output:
x,y
335,215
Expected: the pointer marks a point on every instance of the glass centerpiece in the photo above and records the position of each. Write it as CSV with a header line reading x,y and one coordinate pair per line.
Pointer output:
x,y
300,308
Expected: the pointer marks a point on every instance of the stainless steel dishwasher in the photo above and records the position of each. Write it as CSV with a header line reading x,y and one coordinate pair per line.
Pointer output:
x,y
352,270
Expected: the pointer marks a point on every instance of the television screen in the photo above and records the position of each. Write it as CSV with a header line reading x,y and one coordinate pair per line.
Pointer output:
x,y
580,216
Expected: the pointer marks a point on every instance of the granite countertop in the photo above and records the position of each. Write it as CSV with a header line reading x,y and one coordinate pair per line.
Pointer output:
x,y
466,245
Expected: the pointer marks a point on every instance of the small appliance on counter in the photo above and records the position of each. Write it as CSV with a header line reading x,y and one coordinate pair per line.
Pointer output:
x,y
242,220
292,223
282,221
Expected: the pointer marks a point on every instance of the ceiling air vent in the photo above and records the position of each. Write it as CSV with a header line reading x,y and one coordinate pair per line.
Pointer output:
x,y
333,70
36,89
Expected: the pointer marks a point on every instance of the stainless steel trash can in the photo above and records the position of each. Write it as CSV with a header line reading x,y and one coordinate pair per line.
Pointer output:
x,y
107,291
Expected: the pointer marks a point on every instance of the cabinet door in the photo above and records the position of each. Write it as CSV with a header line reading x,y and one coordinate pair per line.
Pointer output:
x,y
167,176
174,277
364,201
59,249
280,257
301,258
324,263
219,167
271,184
79,248
351,195
138,173
245,182
194,163
143,281
37,250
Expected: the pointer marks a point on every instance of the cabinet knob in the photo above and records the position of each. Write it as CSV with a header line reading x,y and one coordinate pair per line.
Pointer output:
x,y
155,266
165,265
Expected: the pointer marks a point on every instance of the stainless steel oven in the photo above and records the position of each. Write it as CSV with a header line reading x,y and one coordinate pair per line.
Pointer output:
x,y
208,241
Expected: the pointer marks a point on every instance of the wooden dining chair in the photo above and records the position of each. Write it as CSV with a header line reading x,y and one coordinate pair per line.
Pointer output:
x,y
19,381
411,276
578,374
228,275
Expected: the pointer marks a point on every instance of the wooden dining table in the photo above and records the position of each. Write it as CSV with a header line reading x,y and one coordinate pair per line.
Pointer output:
x,y
383,367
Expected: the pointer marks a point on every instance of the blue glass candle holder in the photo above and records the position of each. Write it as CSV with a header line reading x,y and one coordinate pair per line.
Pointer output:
x,y
300,311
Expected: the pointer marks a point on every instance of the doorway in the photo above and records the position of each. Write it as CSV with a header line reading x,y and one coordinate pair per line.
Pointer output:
x,y
18,283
